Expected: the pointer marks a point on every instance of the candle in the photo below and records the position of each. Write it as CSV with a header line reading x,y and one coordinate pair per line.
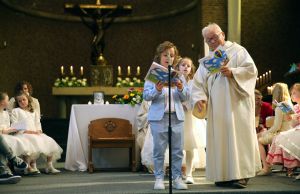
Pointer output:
x,y
119,71
81,71
257,81
269,88
267,77
62,70
128,70
264,78
270,77
260,80
138,70
71,70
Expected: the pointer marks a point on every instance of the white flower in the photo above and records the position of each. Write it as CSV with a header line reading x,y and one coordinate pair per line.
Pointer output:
x,y
138,97
74,78
134,99
56,84
84,79
64,80
67,78
70,84
124,82
131,84
134,79
118,84
83,83
119,79
138,81
127,79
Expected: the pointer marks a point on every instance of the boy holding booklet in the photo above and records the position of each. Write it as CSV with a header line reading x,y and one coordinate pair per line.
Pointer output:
x,y
166,54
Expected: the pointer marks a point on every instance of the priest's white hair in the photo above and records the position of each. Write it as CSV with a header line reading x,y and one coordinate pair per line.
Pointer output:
x,y
211,27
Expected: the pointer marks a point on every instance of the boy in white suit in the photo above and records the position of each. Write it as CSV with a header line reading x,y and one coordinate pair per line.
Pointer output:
x,y
166,53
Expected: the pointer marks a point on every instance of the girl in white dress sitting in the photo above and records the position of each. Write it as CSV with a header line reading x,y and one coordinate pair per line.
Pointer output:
x,y
43,144
282,122
24,86
192,130
18,146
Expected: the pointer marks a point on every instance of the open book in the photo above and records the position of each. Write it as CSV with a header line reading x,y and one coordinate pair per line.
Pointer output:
x,y
285,107
214,63
160,73
21,125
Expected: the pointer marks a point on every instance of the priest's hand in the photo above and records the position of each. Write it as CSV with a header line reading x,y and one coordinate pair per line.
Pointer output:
x,y
159,86
225,70
200,105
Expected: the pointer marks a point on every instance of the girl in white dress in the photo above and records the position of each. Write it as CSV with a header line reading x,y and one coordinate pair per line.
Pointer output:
x,y
18,146
282,122
192,126
43,144
24,86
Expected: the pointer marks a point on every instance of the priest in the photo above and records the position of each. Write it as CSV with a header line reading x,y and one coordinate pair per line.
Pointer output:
x,y
227,96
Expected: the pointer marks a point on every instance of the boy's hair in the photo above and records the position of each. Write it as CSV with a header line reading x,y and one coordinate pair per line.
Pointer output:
x,y
161,48
2,95
19,87
280,93
21,93
193,68
296,86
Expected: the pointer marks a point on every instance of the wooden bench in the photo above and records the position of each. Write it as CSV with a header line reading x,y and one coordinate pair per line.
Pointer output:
x,y
111,133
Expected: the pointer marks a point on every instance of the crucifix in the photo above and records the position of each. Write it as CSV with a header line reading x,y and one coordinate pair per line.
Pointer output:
x,y
98,17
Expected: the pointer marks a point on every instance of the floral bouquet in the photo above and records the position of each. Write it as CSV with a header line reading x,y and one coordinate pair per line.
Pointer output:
x,y
128,82
70,82
133,97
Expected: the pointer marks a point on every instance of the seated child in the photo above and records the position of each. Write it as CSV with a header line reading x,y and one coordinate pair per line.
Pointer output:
x,y
43,144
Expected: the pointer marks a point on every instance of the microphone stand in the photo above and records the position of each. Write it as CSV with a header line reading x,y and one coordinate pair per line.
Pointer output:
x,y
170,132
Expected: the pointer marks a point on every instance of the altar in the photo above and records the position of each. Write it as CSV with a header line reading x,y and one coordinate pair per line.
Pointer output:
x,y
77,145
68,95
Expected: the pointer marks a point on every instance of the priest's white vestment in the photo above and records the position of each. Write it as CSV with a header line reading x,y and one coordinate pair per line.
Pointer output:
x,y
232,149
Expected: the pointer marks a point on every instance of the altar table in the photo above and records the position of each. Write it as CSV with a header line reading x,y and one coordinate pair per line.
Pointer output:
x,y
77,145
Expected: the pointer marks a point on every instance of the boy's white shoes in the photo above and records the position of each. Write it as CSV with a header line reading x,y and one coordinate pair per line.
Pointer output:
x,y
159,184
179,184
189,180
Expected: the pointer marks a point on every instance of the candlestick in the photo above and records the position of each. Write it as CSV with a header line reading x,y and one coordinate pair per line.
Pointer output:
x,y
62,70
267,77
71,70
128,70
264,78
270,76
138,70
119,71
81,71
260,80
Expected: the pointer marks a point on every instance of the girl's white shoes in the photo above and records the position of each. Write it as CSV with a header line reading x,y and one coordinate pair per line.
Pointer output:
x,y
51,170
189,180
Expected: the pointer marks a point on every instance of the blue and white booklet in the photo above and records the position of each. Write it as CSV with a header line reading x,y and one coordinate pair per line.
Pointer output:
x,y
285,107
20,126
214,63
160,73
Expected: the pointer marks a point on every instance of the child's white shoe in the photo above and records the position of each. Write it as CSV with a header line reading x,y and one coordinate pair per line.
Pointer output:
x,y
159,184
51,170
179,184
189,180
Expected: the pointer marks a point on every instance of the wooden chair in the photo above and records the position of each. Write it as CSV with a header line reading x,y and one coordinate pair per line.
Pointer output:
x,y
111,133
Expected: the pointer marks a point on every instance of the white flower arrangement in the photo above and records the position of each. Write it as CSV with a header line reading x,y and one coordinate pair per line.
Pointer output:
x,y
128,82
70,82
